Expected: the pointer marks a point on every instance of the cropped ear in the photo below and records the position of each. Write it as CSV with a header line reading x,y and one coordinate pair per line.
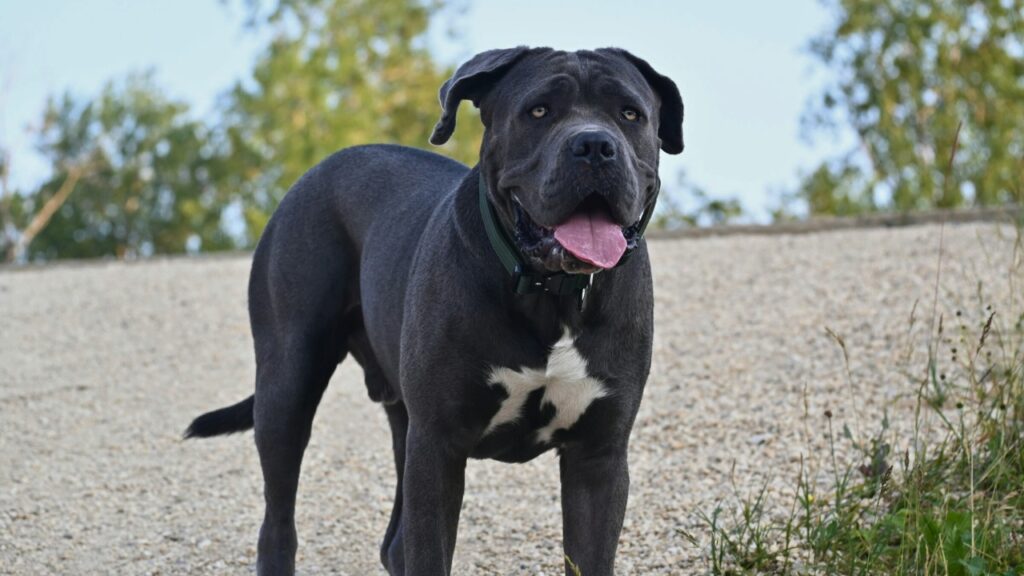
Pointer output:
x,y
670,117
470,82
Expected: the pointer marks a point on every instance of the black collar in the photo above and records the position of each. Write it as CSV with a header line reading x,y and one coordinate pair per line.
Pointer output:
x,y
526,281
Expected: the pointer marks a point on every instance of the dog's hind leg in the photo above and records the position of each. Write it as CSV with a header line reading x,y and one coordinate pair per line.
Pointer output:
x,y
391,551
289,388
380,390
297,305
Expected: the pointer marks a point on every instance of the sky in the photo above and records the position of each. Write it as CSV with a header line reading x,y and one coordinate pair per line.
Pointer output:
x,y
742,68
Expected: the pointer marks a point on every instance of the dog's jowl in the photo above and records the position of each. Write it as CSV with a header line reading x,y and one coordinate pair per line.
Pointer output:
x,y
498,311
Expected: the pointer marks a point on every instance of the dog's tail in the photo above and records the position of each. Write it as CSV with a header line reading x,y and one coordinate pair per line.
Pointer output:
x,y
235,418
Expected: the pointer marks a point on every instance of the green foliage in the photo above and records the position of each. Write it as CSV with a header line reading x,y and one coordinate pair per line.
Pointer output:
x,y
148,177
908,74
836,191
337,73
145,177
671,214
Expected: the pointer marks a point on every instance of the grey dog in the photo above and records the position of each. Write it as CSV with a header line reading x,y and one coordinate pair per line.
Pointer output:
x,y
497,311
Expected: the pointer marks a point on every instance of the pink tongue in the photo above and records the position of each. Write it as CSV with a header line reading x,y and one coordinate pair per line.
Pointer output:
x,y
592,237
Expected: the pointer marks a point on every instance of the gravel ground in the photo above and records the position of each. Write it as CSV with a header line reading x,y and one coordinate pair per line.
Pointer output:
x,y
103,365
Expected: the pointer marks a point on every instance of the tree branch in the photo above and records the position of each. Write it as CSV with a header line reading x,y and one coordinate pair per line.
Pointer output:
x,y
6,220
43,216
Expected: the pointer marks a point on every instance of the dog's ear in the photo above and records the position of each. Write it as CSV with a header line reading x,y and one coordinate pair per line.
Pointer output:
x,y
670,117
470,82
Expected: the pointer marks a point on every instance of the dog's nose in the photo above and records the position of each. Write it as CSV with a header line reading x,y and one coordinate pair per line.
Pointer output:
x,y
593,147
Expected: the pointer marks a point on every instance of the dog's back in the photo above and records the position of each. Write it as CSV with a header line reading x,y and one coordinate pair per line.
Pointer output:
x,y
308,265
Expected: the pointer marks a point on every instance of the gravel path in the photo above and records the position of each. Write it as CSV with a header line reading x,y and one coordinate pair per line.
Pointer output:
x,y
103,365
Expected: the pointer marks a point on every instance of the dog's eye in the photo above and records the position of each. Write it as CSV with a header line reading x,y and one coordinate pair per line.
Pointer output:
x,y
630,114
539,111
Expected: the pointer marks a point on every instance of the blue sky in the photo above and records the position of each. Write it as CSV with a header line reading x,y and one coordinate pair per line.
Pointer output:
x,y
742,68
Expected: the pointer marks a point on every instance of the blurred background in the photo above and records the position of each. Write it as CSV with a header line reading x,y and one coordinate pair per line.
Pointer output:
x,y
129,129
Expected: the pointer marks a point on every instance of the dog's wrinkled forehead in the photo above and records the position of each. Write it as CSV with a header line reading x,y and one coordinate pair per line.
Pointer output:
x,y
587,75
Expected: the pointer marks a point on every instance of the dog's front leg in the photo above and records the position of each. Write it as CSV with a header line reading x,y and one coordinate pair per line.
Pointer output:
x,y
595,487
433,487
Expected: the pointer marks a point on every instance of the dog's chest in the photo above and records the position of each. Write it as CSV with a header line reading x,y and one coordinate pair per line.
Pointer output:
x,y
540,402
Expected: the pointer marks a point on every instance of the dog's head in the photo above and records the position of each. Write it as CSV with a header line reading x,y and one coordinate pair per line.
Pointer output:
x,y
570,148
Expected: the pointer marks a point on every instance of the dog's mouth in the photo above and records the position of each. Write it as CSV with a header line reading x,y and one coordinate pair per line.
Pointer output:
x,y
587,241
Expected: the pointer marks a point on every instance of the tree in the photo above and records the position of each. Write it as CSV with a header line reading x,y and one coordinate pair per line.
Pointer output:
x,y
698,208
337,73
915,79
132,175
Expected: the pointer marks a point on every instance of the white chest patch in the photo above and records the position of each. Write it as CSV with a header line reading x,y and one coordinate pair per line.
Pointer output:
x,y
567,388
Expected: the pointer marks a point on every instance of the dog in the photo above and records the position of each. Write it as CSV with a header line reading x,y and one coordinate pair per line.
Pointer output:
x,y
498,311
